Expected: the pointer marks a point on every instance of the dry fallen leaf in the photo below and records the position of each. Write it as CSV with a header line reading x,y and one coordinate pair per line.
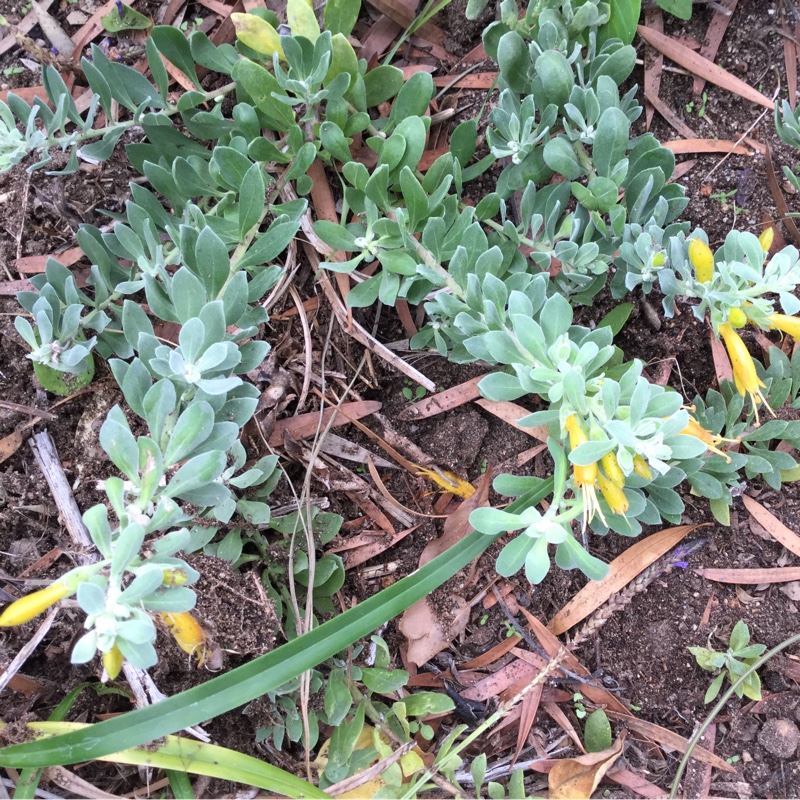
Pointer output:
x,y
10,444
622,571
750,577
577,778
457,526
306,425
679,146
791,590
722,364
787,537
423,627
695,63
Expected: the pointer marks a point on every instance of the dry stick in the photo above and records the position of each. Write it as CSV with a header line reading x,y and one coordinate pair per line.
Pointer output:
x,y
360,778
47,459
743,136
355,330
76,785
309,348
16,665
44,451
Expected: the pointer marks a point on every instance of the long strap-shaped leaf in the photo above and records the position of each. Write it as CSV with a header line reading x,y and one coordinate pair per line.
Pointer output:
x,y
185,755
241,685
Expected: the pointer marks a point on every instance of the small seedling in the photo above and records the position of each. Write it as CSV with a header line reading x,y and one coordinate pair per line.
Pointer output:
x,y
411,393
726,199
699,104
13,70
735,662
580,708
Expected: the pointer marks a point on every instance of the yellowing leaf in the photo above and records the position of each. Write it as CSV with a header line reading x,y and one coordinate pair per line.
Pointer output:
x,y
449,483
302,20
410,763
577,778
343,59
258,34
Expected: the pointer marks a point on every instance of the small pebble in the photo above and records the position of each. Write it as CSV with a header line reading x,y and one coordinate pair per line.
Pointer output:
x,y
779,737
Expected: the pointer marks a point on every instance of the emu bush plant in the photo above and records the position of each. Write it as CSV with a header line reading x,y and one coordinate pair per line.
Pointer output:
x,y
200,243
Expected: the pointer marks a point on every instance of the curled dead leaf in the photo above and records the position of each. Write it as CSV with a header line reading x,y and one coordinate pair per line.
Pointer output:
x,y
577,778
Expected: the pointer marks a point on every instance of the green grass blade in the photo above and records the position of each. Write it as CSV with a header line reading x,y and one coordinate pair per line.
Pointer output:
x,y
245,683
180,756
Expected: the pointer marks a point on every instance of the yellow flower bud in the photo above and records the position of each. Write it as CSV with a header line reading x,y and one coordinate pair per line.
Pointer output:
x,y
175,577
702,260
612,469
642,468
187,632
584,475
766,238
576,434
737,318
112,662
613,495
33,604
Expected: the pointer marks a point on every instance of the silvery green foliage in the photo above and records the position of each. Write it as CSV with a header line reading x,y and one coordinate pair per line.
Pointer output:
x,y
743,274
551,16
642,254
308,65
110,81
560,113
787,126
560,70
222,257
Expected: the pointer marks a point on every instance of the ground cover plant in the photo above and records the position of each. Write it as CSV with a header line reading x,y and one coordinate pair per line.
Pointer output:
x,y
231,196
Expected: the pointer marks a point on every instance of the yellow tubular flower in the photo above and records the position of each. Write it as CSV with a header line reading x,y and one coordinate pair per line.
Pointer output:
x,y
787,324
188,634
33,604
613,494
744,369
765,240
613,470
642,468
711,440
585,477
112,662
702,260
